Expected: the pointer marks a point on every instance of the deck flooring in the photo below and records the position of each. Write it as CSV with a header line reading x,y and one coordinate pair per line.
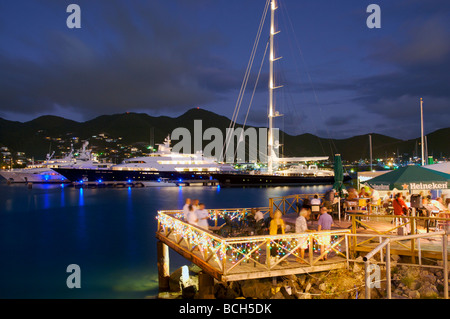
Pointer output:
x,y
431,248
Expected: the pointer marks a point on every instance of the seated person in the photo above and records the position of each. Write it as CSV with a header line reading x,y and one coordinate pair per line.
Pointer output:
x,y
438,203
259,216
316,201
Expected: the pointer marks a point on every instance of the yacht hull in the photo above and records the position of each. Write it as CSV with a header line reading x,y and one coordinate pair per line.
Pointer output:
x,y
132,176
33,177
237,179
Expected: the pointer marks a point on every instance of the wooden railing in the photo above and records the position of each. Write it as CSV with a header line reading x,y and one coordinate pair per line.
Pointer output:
x,y
289,204
364,242
386,245
226,254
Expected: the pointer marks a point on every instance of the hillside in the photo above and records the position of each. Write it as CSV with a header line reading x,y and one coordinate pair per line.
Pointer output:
x,y
33,137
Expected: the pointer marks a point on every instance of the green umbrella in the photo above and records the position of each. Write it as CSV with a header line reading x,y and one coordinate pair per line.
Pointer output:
x,y
411,178
338,175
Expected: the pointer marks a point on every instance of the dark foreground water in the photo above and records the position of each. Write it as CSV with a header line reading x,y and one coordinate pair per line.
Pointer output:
x,y
109,233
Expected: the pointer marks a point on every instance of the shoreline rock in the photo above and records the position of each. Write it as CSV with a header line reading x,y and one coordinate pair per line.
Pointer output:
x,y
408,282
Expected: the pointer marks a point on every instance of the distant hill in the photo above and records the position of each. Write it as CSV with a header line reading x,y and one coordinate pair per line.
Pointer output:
x,y
30,137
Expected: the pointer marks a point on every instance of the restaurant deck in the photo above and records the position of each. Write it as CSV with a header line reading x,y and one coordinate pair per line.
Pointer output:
x,y
245,257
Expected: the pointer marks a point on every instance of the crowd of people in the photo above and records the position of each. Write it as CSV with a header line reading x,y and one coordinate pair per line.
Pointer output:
x,y
195,213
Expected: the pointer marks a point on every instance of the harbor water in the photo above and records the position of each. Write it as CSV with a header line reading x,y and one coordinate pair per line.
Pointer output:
x,y
108,232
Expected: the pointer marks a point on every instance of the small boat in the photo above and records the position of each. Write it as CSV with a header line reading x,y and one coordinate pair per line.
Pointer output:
x,y
45,172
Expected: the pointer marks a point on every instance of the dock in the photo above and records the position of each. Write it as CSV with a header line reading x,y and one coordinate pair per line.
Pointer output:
x,y
134,183
247,255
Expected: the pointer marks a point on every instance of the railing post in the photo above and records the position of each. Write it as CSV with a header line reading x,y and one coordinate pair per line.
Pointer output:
x,y
271,207
354,239
311,250
224,260
162,253
445,262
388,271
413,241
367,278
216,217
347,250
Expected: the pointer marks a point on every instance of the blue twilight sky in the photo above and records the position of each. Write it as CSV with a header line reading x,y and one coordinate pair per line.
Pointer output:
x,y
163,57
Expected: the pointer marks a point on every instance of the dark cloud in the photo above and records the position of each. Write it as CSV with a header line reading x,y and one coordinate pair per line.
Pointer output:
x,y
127,58
163,57
410,63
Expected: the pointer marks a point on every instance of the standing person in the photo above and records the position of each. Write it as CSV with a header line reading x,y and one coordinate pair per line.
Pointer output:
x,y
374,197
325,223
400,207
329,198
203,216
387,197
186,208
301,226
277,227
195,204
191,216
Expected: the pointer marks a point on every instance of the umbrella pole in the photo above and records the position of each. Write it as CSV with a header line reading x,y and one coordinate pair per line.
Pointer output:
x,y
339,209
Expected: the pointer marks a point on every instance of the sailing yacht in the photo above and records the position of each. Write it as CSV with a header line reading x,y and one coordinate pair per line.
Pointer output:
x,y
298,172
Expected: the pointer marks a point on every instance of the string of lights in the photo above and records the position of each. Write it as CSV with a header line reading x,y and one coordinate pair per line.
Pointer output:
x,y
242,249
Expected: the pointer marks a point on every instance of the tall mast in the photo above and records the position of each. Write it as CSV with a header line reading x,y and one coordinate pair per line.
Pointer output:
x,y
271,87
370,149
421,135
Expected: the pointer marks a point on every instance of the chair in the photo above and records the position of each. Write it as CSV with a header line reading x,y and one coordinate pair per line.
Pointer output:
x,y
376,206
442,224
362,204
315,211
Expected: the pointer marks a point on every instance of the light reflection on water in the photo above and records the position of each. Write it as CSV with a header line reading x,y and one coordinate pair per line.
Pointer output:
x,y
109,233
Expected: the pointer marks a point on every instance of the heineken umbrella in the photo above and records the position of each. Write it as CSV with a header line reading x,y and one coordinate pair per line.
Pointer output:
x,y
338,179
338,175
411,178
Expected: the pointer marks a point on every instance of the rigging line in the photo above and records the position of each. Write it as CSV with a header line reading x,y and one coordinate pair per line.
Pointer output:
x,y
256,83
255,45
300,76
253,94
312,85
246,77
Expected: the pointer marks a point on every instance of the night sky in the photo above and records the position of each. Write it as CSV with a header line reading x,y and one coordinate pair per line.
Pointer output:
x,y
163,57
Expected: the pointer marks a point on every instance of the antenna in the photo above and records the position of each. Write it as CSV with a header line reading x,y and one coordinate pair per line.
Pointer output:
x,y
421,135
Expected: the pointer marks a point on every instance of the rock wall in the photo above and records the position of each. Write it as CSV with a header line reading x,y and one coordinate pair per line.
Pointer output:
x,y
408,282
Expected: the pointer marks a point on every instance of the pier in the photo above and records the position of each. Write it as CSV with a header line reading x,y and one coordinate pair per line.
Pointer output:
x,y
134,183
225,257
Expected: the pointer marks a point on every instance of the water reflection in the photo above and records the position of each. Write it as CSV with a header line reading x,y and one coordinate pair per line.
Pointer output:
x,y
81,197
81,228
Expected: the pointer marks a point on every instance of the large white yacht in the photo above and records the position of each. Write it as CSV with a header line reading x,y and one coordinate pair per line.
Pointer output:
x,y
161,166
44,172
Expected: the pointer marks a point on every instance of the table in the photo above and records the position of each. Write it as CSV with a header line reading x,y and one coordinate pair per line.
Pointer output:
x,y
357,212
